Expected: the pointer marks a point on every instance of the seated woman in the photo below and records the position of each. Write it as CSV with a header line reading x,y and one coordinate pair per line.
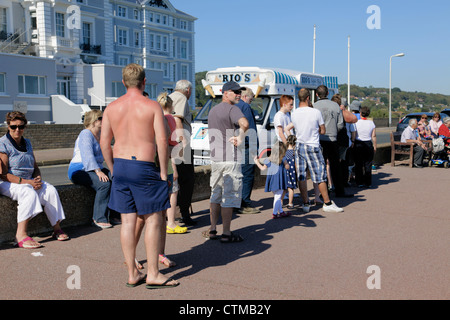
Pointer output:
x,y
444,131
435,124
424,129
22,183
86,167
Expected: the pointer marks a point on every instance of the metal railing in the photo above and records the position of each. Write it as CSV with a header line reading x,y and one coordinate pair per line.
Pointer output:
x,y
14,41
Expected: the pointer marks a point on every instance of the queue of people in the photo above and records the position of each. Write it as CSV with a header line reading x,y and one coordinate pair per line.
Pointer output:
x,y
149,172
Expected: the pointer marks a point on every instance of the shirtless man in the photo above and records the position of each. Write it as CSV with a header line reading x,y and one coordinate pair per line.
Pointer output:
x,y
139,187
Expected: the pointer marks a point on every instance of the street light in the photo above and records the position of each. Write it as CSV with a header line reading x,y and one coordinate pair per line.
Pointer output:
x,y
390,84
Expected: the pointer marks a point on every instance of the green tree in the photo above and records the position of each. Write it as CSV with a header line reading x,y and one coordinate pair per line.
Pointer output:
x,y
200,96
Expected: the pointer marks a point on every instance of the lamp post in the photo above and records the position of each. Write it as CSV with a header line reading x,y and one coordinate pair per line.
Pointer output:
x,y
314,50
348,74
390,85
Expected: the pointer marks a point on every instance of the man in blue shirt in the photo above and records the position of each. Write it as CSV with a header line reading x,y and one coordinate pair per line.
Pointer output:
x,y
251,149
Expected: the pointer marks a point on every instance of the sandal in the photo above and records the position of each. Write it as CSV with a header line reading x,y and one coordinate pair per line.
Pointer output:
x,y
60,235
210,234
34,244
164,259
177,229
231,238
284,214
102,225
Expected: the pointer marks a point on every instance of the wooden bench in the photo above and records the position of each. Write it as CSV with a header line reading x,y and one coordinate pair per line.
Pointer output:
x,y
405,149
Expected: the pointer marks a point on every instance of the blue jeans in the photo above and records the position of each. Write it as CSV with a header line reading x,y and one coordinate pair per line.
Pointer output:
x,y
248,177
102,189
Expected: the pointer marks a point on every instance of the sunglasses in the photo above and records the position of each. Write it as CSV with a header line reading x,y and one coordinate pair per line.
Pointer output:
x,y
14,127
99,118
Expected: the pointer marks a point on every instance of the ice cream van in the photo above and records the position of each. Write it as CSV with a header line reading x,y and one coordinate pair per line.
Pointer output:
x,y
268,84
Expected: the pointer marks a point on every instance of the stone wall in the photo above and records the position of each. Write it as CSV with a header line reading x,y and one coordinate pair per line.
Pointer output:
x,y
50,136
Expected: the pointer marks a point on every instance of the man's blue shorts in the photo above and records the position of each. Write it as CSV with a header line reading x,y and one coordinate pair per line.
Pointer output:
x,y
137,187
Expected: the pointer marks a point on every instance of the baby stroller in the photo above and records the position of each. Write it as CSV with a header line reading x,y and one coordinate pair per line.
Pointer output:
x,y
440,155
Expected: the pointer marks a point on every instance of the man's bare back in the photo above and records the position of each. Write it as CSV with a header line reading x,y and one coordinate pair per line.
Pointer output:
x,y
137,125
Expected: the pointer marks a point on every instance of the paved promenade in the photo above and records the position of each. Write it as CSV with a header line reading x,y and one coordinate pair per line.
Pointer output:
x,y
401,226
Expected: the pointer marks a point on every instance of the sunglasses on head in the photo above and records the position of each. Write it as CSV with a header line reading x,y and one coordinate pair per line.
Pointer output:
x,y
14,127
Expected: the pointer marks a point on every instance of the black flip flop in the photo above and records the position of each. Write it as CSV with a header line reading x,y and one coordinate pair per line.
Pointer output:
x,y
133,285
231,238
163,285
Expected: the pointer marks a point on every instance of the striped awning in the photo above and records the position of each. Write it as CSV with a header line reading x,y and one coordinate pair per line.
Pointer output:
x,y
282,78
330,82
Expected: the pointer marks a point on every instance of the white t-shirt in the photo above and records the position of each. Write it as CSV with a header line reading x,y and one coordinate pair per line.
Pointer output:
x,y
306,122
364,129
281,120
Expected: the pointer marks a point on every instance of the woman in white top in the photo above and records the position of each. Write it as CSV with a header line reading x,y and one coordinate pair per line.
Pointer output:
x,y
364,149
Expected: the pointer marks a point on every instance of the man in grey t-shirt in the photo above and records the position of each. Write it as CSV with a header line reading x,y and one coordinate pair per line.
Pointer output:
x,y
226,176
334,121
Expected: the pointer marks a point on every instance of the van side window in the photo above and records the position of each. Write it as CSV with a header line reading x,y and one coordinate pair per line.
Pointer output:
x,y
274,110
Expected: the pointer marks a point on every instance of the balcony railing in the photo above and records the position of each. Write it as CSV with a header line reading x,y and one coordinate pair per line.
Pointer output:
x,y
92,49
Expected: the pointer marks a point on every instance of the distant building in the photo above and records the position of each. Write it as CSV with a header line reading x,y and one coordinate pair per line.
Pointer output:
x,y
59,58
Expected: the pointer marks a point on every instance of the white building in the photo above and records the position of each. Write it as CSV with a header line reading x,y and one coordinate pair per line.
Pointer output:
x,y
58,58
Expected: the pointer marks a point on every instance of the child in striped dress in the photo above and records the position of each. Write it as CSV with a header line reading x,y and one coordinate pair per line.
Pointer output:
x,y
291,173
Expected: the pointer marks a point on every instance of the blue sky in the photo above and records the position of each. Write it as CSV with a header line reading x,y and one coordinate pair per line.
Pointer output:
x,y
280,34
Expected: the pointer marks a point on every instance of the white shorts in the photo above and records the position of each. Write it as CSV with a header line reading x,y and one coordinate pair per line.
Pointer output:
x,y
226,184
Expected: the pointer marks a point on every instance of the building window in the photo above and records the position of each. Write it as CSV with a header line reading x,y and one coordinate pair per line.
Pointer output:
x,y
150,17
2,83
158,42
184,71
166,69
123,37
86,33
151,89
60,24
137,39
121,11
32,84
3,24
123,61
136,14
174,49
183,25
118,89
183,49
152,41
165,47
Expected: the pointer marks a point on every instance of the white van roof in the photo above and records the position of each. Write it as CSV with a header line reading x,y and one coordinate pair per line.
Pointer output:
x,y
275,80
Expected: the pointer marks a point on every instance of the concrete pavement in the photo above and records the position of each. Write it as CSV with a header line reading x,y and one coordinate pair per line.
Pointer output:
x,y
394,235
